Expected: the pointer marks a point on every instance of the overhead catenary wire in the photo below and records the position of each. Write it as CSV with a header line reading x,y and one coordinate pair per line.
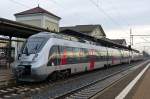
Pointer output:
x,y
21,4
141,37
125,21
106,14
56,3
97,5
145,39
122,18
141,42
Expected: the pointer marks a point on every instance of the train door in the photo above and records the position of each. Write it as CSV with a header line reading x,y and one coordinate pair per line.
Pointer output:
x,y
113,56
92,59
109,56
122,56
63,52
53,58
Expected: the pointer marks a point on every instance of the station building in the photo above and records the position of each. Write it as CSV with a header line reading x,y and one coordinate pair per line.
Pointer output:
x,y
39,17
91,30
120,41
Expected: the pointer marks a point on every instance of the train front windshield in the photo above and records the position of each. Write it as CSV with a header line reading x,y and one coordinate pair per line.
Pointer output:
x,y
33,45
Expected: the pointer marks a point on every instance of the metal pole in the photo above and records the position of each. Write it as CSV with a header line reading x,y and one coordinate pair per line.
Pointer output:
x,y
130,37
132,40
9,51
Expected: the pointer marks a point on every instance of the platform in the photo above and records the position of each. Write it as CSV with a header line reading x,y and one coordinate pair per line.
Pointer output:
x,y
142,88
134,86
6,77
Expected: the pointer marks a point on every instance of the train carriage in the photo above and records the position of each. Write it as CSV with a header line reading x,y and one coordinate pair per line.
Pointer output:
x,y
48,55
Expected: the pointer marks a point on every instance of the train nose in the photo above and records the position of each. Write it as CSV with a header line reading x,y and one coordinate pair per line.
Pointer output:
x,y
21,71
27,73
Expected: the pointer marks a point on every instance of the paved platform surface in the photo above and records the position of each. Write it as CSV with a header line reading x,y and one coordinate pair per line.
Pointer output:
x,y
142,89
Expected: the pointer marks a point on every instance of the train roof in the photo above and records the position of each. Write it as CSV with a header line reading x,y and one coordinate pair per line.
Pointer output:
x,y
103,41
46,35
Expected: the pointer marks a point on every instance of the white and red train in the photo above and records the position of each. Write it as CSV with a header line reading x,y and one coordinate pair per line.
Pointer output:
x,y
46,55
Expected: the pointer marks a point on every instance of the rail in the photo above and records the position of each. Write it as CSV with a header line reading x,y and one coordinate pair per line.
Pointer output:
x,y
90,89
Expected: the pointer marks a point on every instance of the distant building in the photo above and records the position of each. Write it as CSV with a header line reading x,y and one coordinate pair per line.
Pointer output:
x,y
39,17
120,41
92,30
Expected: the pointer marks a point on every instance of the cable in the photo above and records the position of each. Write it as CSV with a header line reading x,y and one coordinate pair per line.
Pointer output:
x,y
141,42
124,20
21,4
145,39
56,3
106,14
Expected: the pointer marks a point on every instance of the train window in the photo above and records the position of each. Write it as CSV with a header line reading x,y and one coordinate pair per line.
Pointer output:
x,y
98,55
63,55
118,54
80,55
110,54
103,55
34,45
83,55
54,56
126,54
93,56
70,55
76,55
85,59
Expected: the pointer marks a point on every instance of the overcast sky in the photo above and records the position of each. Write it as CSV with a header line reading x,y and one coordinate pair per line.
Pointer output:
x,y
115,16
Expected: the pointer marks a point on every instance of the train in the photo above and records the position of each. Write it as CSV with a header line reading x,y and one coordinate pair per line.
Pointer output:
x,y
48,55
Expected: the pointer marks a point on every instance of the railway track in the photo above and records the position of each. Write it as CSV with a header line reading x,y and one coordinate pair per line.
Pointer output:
x,y
90,89
6,78
14,92
22,90
31,90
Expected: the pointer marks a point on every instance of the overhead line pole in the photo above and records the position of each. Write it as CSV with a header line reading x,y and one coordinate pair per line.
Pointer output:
x,y
130,37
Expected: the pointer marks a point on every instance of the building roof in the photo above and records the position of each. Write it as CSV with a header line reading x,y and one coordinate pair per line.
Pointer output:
x,y
103,41
119,41
35,11
83,28
17,29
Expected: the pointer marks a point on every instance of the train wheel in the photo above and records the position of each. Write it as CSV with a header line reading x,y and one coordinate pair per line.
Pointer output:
x,y
64,74
105,66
